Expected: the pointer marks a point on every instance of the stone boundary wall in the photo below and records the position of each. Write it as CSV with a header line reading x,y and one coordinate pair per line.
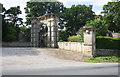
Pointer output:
x,y
86,50
116,35
16,44
73,46
77,47
107,52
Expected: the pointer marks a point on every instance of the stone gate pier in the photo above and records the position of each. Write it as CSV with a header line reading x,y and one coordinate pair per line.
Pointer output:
x,y
89,47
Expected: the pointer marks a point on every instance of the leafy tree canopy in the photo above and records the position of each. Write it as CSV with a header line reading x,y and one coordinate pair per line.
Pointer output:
x,y
11,16
76,17
11,23
101,28
111,13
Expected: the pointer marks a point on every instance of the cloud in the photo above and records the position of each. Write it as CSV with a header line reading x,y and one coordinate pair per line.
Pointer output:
x,y
93,2
101,2
75,0
98,12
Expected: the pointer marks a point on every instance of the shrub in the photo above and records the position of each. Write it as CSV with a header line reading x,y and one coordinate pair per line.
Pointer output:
x,y
80,33
74,38
61,41
103,42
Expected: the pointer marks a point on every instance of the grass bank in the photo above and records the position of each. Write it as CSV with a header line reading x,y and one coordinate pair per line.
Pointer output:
x,y
110,59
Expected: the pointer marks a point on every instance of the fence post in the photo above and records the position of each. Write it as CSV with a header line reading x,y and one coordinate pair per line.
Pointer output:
x,y
1,6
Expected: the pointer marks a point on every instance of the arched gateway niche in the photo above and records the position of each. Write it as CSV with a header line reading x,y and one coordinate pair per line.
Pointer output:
x,y
44,31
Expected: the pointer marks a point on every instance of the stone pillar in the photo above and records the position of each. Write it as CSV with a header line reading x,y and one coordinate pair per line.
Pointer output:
x,y
49,34
35,34
54,33
89,41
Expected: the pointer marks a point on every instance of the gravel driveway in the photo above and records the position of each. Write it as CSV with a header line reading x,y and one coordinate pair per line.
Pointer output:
x,y
27,56
32,56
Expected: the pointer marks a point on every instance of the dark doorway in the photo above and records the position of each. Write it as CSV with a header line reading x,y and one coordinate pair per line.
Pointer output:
x,y
43,36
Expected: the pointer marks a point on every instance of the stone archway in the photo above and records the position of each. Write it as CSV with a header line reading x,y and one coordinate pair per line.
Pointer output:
x,y
44,31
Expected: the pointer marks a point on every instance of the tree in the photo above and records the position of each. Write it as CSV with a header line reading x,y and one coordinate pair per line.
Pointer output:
x,y
63,35
80,33
10,24
8,32
111,13
76,17
26,33
101,27
36,9
11,16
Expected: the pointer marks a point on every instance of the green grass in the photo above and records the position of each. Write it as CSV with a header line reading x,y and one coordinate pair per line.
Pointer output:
x,y
111,59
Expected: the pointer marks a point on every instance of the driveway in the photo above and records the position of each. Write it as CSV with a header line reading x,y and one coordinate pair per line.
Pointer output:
x,y
39,61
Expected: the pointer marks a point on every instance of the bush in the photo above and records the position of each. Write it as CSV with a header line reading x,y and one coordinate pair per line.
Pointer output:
x,y
74,39
103,42
61,41
80,33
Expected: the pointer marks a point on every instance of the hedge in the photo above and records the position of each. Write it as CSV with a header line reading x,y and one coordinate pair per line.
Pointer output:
x,y
73,38
103,42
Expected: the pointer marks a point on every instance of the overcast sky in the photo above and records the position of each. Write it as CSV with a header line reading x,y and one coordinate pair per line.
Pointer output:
x,y
97,4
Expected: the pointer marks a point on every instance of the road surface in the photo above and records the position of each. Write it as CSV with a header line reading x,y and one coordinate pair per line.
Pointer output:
x,y
38,61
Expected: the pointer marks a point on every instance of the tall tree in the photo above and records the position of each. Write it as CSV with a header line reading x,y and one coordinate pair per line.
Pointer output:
x,y
35,9
76,17
111,13
99,24
10,23
11,16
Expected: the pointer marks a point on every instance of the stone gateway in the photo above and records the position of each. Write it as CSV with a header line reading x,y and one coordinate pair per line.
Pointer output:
x,y
44,31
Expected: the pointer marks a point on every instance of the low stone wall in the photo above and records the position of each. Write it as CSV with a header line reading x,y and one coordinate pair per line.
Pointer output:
x,y
16,44
107,52
84,49
116,35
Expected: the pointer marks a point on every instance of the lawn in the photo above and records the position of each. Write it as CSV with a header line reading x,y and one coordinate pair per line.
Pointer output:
x,y
110,59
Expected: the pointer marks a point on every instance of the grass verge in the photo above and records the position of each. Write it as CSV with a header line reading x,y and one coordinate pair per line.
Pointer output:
x,y
111,59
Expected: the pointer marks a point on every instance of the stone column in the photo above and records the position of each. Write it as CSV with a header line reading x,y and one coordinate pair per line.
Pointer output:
x,y
89,41
49,34
54,32
35,34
